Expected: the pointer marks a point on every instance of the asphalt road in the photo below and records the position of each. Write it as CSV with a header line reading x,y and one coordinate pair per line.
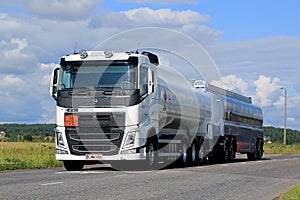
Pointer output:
x,y
264,179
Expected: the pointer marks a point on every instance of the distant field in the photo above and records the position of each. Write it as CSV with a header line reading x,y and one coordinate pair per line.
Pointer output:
x,y
278,148
25,155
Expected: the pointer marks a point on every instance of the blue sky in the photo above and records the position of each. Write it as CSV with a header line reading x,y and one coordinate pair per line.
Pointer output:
x,y
255,45
251,19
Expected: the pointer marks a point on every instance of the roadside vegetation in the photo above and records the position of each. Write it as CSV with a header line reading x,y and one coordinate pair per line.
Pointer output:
x,y
31,146
27,155
293,194
276,135
280,148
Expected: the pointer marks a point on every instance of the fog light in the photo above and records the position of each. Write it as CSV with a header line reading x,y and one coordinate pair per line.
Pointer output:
x,y
83,54
130,139
129,151
60,140
59,151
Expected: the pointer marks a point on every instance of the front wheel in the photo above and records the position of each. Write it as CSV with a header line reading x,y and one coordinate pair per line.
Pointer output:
x,y
151,154
73,165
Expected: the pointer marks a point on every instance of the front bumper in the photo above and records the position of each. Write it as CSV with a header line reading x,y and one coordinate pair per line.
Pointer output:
x,y
131,156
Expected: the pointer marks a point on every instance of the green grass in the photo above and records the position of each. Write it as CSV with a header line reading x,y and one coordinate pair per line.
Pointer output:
x,y
25,155
293,194
278,148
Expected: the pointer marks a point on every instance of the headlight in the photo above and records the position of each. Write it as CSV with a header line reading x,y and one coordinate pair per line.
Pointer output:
x,y
60,140
130,139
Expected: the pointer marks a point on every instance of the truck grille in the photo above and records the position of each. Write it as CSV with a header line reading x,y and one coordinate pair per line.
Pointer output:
x,y
96,133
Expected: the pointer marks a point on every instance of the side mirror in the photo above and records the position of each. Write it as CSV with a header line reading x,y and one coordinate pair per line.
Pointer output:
x,y
53,84
200,84
150,81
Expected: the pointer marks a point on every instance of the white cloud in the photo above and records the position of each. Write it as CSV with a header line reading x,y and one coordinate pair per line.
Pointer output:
x,y
50,66
58,9
11,84
16,57
186,21
31,45
46,70
232,83
21,45
273,56
267,89
164,16
293,102
291,119
149,17
162,1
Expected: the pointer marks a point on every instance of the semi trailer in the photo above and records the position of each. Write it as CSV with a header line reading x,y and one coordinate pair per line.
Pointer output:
x,y
117,107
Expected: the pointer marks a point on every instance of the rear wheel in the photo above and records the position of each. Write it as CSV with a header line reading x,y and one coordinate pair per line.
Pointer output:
x,y
229,153
185,154
194,153
73,165
201,154
251,156
260,150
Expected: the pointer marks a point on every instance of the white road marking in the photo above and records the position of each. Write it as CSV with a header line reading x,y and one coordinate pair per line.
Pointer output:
x,y
79,172
138,172
53,183
120,175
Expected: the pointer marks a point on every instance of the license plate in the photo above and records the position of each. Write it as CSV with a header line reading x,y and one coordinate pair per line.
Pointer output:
x,y
94,157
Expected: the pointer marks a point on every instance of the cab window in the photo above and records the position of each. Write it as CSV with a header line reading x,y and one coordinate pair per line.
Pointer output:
x,y
144,81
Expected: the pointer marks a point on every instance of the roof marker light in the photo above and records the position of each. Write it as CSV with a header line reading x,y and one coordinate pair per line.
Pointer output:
x,y
83,54
108,53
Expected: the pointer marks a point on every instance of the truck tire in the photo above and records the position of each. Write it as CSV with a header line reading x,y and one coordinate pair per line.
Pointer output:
x,y
194,160
229,153
184,159
201,154
73,165
258,153
151,154
251,156
260,149
233,149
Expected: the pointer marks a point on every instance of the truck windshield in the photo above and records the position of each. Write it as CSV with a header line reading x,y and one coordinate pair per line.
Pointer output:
x,y
99,75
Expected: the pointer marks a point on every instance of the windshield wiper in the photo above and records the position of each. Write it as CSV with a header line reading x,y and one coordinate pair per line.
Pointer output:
x,y
109,90
81,91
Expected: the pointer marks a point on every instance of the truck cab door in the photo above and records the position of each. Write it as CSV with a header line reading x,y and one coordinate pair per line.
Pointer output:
x,y
148,112
54,83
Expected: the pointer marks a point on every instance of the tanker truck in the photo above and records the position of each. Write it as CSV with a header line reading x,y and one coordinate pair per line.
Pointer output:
x,y
123,107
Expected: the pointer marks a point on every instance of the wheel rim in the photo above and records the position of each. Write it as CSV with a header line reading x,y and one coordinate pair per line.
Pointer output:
x,y
184,154
259,150
194,153
201,154
151,154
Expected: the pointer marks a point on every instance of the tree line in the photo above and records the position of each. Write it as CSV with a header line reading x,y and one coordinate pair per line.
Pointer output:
x,y
276,135
30,131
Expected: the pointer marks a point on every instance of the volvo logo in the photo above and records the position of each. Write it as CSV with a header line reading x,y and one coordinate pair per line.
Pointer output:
x,y
95,101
